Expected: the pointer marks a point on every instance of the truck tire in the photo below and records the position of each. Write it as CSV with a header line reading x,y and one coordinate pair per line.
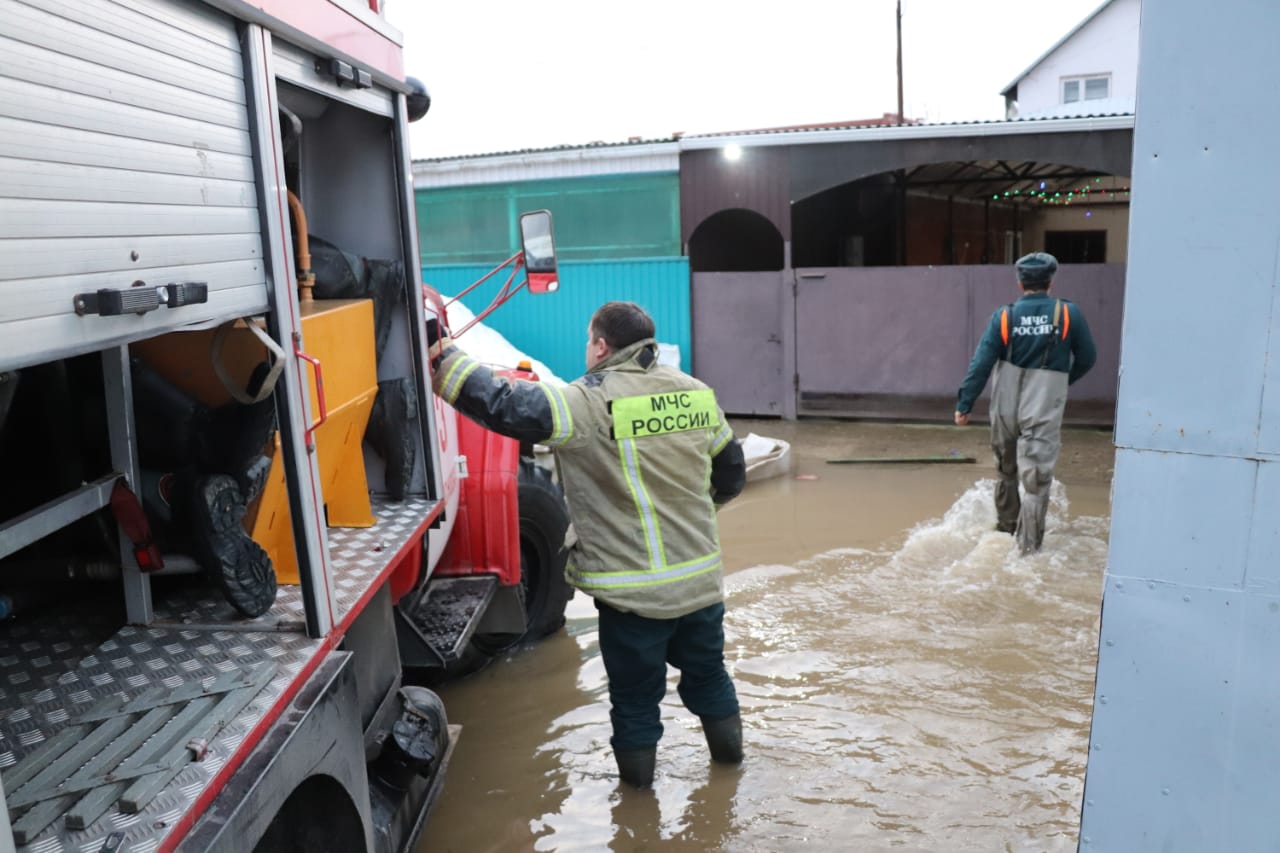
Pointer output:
x,y
544,518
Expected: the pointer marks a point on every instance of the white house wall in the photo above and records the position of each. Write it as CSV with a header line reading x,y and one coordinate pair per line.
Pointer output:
x,y
1107,44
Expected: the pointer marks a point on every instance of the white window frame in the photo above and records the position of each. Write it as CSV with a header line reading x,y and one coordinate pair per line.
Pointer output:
x,y
1081,82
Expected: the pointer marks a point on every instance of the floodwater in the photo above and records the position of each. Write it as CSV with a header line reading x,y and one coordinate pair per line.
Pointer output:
x,y
907,681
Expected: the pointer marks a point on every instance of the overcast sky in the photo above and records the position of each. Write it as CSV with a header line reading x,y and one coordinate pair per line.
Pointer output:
x,y
510,74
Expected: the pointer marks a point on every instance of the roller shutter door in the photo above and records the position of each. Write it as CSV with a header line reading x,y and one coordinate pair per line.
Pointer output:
x,y
125,158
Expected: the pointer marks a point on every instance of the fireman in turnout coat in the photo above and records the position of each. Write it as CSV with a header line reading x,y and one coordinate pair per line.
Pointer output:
x,y
645,455
1038,346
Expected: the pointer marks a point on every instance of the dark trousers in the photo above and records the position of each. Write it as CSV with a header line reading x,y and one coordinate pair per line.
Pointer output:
x,y
636,652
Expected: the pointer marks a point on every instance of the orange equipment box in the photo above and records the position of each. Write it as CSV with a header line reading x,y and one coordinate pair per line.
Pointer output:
x,y
337,332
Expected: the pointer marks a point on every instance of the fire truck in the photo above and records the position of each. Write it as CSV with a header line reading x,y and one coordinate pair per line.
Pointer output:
x,y
240,537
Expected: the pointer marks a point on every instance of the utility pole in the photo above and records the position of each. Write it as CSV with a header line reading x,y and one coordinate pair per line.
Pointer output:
x,y
900,116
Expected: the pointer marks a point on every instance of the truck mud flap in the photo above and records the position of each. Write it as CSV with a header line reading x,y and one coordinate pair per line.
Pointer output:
x,y
435,627
435,786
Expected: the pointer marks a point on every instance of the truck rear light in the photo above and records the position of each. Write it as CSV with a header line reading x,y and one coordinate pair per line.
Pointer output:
x,y
128,513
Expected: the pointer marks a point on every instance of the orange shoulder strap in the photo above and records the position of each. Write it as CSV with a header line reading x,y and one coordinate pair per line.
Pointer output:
x,y
1004,325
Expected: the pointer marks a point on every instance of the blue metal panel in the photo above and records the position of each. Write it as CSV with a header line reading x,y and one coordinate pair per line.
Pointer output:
x,y
1169,530
1162,740
1269,429
1182,755
553,328
1185,750
1201,264
1254,777
1262,572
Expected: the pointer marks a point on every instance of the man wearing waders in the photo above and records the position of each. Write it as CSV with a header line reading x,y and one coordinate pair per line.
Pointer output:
x,y
1038,345
645,455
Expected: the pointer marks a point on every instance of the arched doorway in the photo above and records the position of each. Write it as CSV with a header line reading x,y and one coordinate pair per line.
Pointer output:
x,y
736,258
735,240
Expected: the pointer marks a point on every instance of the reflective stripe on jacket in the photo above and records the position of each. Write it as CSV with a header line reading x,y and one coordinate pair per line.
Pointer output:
x,y
641,482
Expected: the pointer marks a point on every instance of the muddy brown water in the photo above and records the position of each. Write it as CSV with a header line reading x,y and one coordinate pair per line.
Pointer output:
x,y
907,681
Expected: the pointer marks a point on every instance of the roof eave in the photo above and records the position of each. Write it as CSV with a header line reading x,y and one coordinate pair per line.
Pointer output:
x,y
610,151
597,159
1079,124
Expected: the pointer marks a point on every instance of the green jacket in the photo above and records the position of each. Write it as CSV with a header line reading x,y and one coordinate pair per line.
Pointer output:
x,y
1037,331
644,454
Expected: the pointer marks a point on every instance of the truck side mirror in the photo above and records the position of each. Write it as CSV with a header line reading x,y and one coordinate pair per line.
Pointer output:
x,y
539,251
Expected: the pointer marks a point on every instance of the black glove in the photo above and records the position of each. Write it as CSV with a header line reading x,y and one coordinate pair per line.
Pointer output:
x,y
438,341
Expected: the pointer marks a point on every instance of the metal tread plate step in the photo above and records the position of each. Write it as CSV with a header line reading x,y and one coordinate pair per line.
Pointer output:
x,y
447,613
55,675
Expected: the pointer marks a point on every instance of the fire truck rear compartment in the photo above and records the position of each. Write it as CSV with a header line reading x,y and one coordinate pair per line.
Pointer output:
x,y
64,667
129,703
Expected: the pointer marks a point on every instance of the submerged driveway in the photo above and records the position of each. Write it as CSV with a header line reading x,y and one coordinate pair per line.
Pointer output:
x,y
907,681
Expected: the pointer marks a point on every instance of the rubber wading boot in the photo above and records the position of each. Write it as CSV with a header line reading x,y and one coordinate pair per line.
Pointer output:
x,y
724,737
635,767
392,433
215,512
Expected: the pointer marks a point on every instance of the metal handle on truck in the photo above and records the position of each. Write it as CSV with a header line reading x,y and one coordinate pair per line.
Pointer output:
x,y
140,299
324,408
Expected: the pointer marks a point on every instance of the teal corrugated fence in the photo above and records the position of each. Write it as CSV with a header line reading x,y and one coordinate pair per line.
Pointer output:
x,y
553,327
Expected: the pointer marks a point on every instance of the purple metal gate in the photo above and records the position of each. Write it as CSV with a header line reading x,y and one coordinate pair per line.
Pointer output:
x,y
879,342
738,338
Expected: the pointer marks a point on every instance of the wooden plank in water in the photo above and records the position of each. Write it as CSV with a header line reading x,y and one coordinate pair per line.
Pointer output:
x,y
902,460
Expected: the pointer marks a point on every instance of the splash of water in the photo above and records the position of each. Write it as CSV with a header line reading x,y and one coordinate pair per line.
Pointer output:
x,y
940,678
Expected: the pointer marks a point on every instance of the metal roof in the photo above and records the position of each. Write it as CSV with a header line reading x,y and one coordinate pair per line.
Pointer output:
x,y
800,135
884,120
1059,43
516,152
993,127
1099,106
639,157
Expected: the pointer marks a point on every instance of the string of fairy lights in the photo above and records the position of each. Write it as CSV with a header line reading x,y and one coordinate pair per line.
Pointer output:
x,y
1089,193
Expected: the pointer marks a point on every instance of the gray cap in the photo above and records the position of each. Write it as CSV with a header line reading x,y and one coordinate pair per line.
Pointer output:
x,y
1036,268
